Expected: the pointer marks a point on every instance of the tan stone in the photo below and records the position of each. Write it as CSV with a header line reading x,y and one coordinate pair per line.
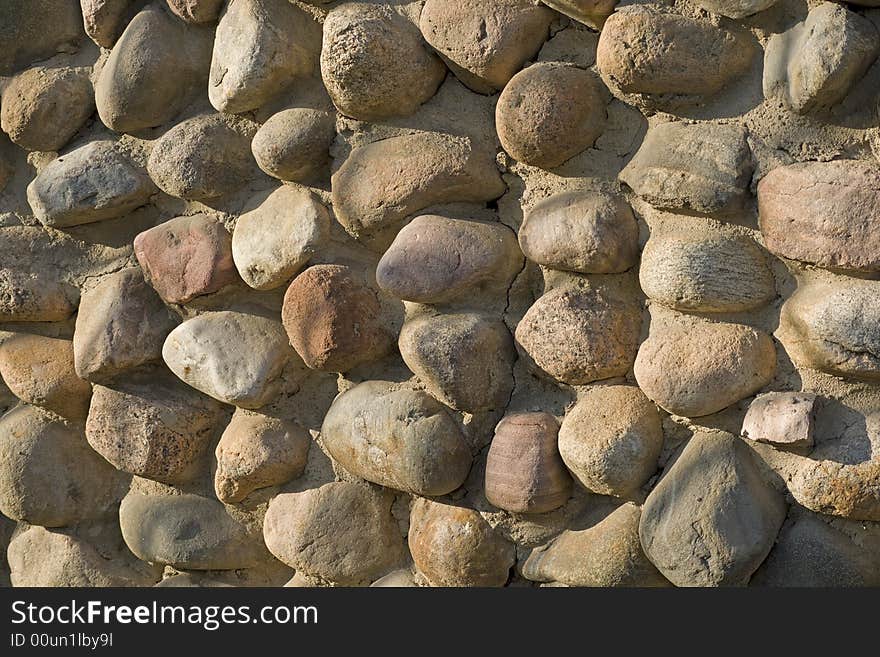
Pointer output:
x,y
783,419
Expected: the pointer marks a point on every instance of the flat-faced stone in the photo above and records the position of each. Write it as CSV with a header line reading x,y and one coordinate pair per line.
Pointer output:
x,y
104,20
294,144
782,419
592,13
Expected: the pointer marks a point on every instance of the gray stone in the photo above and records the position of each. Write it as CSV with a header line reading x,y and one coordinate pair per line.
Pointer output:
x,y
735,8
294,144
24,33
104,20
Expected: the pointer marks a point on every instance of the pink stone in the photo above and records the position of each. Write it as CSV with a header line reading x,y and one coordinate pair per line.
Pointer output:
x,y
782,419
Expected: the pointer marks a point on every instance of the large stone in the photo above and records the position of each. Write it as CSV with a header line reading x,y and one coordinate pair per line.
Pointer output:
x,y
735,8
334,320
196,11
396,437
37,29
704,168
382,183
587,232
44,107
824,213
122,323
692,366
260,47
838,489
91,183
464,360
704,271
294,144
580,335
235,357
434,259
611,438
375,64
783,419
592,13
485,42
104,20
342,532
154,70
186,257
814,64
274,240
455,546
712,519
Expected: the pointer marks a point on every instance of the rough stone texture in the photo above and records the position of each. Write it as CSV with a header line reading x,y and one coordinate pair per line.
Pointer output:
x,y
104,20
294,144
838,489
735,8
196,11
24,35
784,419
592,13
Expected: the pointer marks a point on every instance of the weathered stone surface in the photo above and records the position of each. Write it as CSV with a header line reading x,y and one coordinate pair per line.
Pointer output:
x,y
342,532
275,239
823,213
704,168
196,11
152,425
606,554
838,489
814,64
455,546
589,12
91,183
782,419
334,320
711,520
187,531
44,107
588,232
231,356
705,272
256,451
294,144
375,64
24,33
485,42
121,324
186,257
155,68
203,157
396,437
40,371
735,8
382,183
104,20
435,259
578,336
611,438
49,475
548,113
397,579
524,473
692,366
464,360
260,47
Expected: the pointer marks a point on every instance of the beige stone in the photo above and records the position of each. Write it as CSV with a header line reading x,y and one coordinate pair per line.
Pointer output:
x,y
294,144
783,419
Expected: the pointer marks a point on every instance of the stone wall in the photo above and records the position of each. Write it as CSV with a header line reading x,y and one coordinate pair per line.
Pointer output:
x,y
452,293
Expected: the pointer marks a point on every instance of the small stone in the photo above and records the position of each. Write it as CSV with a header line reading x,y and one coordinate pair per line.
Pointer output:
x,y
396,579
608,554
823,213
25,35
154,70
188,531
704,168
104,20
231,356
548,113
91,183
196,11
203,157
333,320
186,257
704,271
435,259
587,232
39,371
782,419
342,532
382,183
524,473
579,336
375,64
692,366
256,451
44,107
152,426
273,241
610,440
485,42
464,360
121,325
813,65
34,296
735,8
394,437
712,519
455,546
260,47
294,144
592,13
